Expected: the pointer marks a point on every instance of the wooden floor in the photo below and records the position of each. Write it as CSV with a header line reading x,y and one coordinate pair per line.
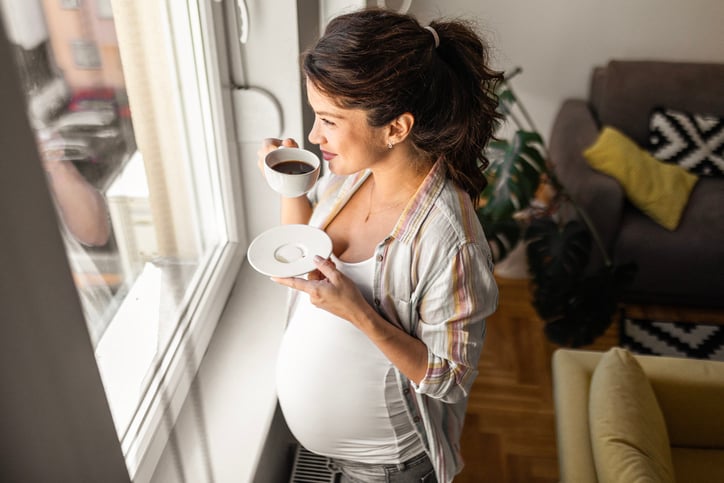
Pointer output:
x,y
509,433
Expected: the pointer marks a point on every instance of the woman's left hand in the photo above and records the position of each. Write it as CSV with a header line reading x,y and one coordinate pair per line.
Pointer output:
x,y
329,289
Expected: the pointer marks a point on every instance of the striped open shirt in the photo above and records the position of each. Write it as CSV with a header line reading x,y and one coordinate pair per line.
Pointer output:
x,y
432,278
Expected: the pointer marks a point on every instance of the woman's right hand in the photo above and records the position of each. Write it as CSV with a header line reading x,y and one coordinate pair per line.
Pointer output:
x,y
269,145
293,210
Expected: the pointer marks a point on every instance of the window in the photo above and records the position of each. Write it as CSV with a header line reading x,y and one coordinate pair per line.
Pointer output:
x,y
130,127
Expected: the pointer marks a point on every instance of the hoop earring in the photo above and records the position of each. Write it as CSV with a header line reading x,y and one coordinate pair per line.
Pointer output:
x,y
390,145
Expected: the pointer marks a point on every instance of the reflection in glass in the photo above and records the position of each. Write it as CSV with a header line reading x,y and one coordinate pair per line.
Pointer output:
x,y
137,224
79,112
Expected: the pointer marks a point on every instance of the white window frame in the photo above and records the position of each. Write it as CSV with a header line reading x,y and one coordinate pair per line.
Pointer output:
x,y
191,30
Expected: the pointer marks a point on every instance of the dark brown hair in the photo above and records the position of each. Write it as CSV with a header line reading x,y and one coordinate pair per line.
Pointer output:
x,y
387,64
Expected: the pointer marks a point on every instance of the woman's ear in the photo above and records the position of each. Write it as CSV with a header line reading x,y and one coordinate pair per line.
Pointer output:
x,y
400,127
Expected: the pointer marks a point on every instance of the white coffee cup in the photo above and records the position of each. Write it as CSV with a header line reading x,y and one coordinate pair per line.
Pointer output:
x,y
291,172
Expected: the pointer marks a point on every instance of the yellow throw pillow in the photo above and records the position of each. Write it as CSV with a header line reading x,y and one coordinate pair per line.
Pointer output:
x,y
661,190
628,432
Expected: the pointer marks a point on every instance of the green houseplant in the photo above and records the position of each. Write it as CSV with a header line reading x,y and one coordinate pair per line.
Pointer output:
x,y
576,305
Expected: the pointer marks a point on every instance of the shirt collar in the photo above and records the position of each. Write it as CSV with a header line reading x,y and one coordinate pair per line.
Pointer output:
x,y
417,209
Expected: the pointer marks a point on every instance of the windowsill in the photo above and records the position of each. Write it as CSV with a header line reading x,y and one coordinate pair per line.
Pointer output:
x,y
129,346
138,335
227,415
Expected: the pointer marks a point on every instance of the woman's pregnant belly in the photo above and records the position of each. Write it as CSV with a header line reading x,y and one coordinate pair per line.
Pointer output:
x,y
331,383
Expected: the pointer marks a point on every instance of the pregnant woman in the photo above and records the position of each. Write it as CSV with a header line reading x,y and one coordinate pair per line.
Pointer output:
x,y
384,338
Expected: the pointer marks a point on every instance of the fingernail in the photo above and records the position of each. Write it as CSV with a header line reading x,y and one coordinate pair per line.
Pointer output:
x,y
318,259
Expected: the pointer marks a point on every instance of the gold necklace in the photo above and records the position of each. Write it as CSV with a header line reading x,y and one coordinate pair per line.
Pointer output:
x,y
388,207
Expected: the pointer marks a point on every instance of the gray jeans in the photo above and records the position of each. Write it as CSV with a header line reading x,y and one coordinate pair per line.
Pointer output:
x,y
415,470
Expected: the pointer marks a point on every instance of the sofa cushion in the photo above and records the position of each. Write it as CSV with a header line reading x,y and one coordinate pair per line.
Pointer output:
x,y
658,189
693,141
628,432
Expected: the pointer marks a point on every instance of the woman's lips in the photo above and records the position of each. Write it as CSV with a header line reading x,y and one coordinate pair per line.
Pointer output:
x,y
327,155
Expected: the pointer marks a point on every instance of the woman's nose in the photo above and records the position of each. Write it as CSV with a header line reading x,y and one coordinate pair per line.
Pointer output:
x,y
314,136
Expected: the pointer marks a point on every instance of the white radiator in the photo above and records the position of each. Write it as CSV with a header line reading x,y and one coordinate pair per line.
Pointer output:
x,y
310,468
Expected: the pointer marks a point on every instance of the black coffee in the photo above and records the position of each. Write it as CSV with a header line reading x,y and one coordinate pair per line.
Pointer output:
x,y
293,167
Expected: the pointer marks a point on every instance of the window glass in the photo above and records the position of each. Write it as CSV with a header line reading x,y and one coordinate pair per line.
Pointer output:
x,y
137,196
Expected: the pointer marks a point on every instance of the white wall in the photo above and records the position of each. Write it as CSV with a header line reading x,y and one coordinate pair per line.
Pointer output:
x,y
332,8
271,59
557,42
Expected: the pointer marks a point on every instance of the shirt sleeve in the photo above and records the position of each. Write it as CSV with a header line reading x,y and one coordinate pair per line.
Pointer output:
x,y
452,322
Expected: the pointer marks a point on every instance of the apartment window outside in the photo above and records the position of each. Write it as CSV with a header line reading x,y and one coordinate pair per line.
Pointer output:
x,y
121,98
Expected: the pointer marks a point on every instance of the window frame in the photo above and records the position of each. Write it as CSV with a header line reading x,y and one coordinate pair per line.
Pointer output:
x,y
191,24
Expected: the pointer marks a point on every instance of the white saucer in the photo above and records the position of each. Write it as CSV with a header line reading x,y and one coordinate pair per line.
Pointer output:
x,y
288,250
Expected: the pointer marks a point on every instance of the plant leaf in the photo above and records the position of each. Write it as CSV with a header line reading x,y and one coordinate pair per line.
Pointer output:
x,y
557,255
514,174
592,304
506,100
502,235
576,307
557,258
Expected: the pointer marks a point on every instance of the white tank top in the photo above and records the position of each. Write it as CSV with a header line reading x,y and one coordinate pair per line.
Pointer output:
x,y
337,390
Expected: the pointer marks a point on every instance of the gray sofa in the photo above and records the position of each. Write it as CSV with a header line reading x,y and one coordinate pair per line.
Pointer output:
x,y
684,267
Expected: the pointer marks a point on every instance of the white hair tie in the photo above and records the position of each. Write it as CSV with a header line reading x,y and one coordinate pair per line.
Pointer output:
x,y
434,35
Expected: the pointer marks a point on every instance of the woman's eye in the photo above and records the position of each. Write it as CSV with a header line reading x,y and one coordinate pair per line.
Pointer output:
x,y
326,122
